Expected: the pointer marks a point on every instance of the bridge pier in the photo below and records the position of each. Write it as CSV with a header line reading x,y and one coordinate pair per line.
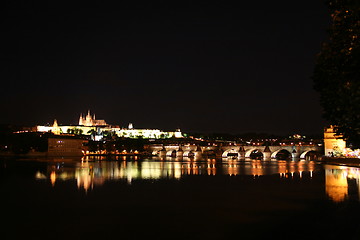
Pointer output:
x,y
242,153
180,152
162,152
266,153
198,153
295,154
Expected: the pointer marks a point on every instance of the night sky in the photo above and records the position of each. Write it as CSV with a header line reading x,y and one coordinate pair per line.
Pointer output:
x,y
202,67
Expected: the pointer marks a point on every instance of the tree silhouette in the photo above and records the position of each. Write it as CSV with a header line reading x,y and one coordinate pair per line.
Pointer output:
x,y
337,72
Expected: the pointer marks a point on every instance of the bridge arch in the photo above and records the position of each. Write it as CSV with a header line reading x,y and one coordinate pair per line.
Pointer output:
x,y
254,153
209,152
273,154
282,151
248,152
155,152
189,153
308,152
230,153
171,153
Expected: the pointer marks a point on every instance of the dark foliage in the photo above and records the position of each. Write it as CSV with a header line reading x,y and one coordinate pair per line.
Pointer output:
x,y
337,71
11,140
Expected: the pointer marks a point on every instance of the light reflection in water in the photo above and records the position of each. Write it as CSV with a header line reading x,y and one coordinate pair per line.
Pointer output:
x,y
53,177
257,168
94,172
339,180
285,169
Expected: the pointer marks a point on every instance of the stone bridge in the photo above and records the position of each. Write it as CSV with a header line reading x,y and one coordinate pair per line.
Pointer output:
x,y
265,152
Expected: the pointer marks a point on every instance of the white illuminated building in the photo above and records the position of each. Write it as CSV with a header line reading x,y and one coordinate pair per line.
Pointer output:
x,y
88,125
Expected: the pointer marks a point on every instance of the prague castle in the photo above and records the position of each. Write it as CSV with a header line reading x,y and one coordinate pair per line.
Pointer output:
x,y
90,121
89,125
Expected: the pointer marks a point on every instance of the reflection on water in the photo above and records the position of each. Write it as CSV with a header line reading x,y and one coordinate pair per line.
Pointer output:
x,y
341,181
285,169
94,172
92,198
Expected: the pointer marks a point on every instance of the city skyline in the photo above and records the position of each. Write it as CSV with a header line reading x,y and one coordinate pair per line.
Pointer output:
x,y
198,67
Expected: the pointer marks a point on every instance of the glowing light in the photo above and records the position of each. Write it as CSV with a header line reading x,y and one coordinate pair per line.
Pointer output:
x,y
39,175
53,178
347,152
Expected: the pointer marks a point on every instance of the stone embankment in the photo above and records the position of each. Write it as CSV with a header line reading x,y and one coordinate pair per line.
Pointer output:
x,y
353,162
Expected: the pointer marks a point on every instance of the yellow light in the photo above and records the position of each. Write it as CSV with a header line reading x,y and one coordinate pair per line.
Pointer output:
x,y
53,178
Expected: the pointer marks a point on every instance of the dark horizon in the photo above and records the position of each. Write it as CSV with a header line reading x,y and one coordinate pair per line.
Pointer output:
x,y
200,67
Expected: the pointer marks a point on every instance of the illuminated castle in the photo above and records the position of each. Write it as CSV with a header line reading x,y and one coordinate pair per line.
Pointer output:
x,y
90,121
88,125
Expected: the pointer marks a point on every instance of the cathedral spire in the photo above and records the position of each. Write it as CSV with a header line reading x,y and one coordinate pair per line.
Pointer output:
x,y
81,119
55,128
55,124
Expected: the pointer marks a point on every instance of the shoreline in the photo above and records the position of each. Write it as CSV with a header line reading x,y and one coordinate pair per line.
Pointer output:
x,y
352,162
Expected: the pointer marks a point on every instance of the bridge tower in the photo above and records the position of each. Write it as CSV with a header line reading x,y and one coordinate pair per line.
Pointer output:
x,y
333,142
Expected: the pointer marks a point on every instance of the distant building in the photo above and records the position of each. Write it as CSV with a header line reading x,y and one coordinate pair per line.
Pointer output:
x,y
146,133
65,147
88,125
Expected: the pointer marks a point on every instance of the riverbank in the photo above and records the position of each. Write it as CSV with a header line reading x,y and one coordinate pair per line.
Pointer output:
x,y
46,154
24,155
352,162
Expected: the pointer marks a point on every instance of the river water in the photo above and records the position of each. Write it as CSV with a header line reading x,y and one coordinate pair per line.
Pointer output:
x,y
134,198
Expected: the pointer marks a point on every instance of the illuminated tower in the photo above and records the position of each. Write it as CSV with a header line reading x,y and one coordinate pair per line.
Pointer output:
x,y
81,120
55,128
332,142
88,119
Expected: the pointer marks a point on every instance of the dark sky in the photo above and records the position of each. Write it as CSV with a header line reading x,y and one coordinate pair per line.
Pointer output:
x,y
203,67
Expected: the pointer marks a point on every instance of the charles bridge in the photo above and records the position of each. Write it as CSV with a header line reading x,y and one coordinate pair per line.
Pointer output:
x,y
235,151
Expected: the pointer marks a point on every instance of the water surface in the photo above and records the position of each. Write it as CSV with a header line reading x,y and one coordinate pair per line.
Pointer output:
x,y
134,198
